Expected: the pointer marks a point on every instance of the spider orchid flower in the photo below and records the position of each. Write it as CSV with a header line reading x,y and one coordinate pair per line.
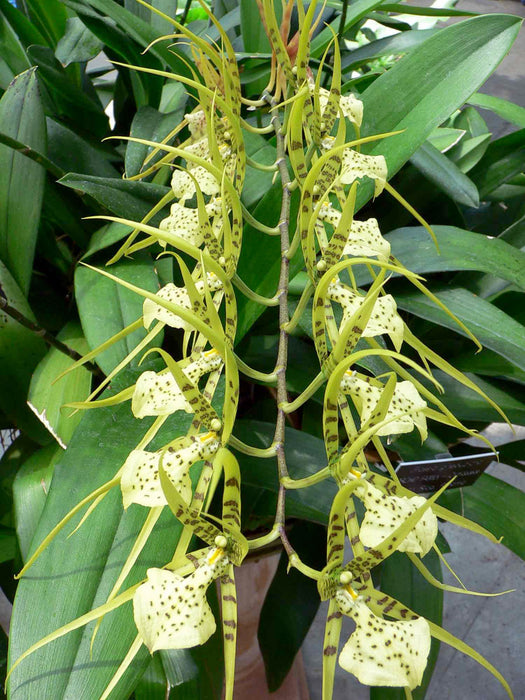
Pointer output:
x,y
158,394
380,652
184,222
384,318
355,165
177,295
140,481
405,411
385,513
171,611
364,237
350,107
182,184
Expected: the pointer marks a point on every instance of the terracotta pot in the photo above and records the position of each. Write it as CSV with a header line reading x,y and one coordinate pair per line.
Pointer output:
x,y
253,579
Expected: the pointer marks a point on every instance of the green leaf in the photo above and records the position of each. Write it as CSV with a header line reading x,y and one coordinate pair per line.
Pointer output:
x,y
252,28
496,504
469,152
70,102
503,160
443,138
465,404
105,307
77,573
50,18
115,25
458,250
30,489
305,454
401,580
356,11
48,396
13,59
20,352
21,179
445,174
153,684
24,29
132,200
432,81
73,153
78,44
150,124
513,113
399,43
290,605
493,328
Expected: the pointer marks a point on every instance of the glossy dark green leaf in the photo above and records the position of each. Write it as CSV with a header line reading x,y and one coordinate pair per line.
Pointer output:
x,y
401,580
77,44
70,102
77,573
24,28
253,34
355,12
105,307
458,250
259,263
75,154
496,505
21,179
291,604
399,43
30,489
489,364
13,59
49,17
432,82
305,454
440,170
125,198
20,352
152,125
467,405
108,20
153,684
501,162
469,151
47,394
493,328
513,113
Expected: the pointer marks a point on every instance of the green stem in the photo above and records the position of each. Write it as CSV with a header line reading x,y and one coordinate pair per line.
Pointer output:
x,y
27,151
249,219
300,308
243,287
45,335
310,390
260,452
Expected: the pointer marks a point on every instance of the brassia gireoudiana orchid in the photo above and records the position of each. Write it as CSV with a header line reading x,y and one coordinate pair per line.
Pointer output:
x,y
321,169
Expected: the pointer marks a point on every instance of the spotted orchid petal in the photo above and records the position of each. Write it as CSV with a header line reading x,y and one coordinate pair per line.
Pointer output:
x,y
406,405
350,106
140,481
158,394
184,222
355,166
171,612
383,319
380,652
177,295
385,513
364,237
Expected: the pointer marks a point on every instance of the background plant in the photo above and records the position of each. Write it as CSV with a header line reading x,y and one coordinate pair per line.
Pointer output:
x,y
62,123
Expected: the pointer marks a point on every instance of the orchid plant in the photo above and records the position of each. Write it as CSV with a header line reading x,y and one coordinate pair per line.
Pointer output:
x,y
324,171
